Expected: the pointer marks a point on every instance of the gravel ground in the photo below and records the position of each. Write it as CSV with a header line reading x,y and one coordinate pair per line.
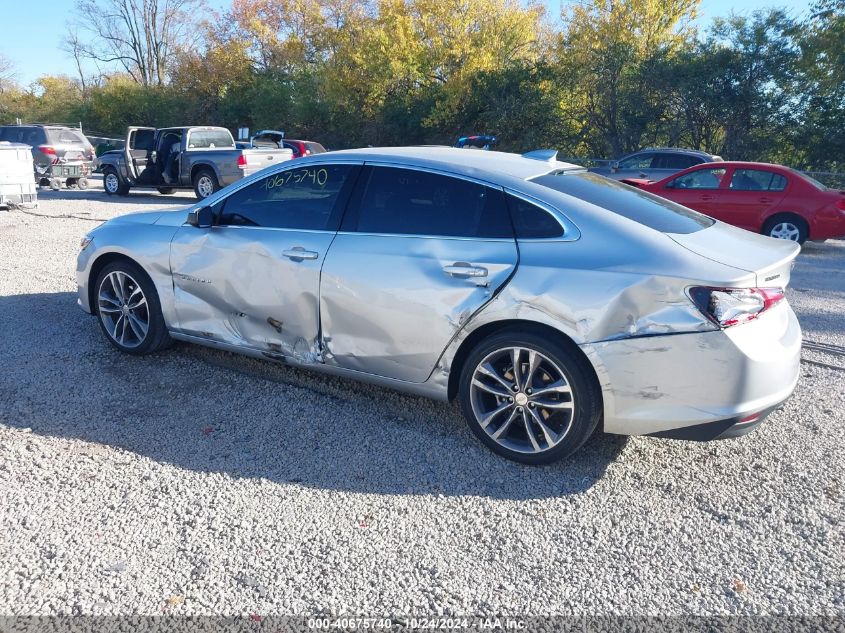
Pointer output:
x,y
199,482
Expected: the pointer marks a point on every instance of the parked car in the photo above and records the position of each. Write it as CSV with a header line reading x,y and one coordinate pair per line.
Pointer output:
x,y
201,157
477,142
301,149
769,199
52,144
546,299
654,163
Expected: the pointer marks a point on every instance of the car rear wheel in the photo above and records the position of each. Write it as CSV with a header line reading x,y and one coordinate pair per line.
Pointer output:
x,y
205,184
129,310
529,399
112,184
787,227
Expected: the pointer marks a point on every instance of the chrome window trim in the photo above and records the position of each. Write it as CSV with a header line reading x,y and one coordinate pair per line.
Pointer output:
x,y
435,170
571,232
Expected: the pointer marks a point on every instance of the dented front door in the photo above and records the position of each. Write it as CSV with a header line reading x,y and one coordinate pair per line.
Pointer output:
x,y
415,259
253,279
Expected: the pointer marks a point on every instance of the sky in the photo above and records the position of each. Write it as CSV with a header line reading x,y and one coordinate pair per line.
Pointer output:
x,y
33,31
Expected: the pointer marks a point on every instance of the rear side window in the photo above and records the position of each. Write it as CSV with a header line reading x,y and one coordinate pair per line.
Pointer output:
x,y
409,202
210,139
531,221
674,161
637,161
647,209
757,180
305,198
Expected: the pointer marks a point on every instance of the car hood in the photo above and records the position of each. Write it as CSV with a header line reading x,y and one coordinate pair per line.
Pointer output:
x,y
164,218
768,258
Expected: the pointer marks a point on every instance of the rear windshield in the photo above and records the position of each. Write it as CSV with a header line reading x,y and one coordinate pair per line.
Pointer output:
x,y
205,139
315,148
647,209
23,134
66,137
810,179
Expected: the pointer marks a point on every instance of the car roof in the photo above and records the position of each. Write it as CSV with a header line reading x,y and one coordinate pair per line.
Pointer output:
x,y
673,150
742,164
458,160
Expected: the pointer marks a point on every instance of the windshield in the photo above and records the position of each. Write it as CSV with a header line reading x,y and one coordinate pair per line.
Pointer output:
x,y
647,209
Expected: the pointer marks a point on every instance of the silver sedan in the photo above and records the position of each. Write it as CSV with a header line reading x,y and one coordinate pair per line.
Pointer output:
x,y
549,301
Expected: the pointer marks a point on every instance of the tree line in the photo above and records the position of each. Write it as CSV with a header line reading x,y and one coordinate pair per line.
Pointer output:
x,y
604,78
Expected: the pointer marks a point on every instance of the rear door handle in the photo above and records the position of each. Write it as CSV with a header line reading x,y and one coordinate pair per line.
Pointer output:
x,y
297,254
463,270
766,200
705,197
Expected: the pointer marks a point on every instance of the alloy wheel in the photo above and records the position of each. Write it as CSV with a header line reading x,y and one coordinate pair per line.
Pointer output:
x,y
111,182
123,309
522,399
785,231
205,186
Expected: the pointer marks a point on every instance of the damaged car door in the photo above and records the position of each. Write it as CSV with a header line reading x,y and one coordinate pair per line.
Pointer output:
x,y
252,279
419,252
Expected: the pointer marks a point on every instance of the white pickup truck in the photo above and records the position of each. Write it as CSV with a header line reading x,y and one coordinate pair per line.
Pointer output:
x,y
204,159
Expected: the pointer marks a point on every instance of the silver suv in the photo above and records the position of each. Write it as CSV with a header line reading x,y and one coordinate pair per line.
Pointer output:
x,y
50,144
654,163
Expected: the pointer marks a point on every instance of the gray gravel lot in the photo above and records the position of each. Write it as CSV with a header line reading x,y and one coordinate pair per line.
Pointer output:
x,y
199,482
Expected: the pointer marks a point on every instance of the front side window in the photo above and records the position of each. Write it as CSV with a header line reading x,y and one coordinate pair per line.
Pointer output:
x,y
306,198
210,139
699,179
637,161
757,180
410,202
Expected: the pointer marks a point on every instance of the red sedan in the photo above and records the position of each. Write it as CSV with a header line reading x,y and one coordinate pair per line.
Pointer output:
x,y
769,199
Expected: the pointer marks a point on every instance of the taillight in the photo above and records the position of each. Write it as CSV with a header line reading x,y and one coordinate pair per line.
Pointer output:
x,y
840,204
242,162
49,150
733,306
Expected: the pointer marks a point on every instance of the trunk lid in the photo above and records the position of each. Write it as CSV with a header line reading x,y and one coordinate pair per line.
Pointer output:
x,y
769,259
253,160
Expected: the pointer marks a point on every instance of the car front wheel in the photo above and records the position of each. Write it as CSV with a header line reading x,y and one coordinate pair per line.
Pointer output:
x,y
529,399
129,310
112,184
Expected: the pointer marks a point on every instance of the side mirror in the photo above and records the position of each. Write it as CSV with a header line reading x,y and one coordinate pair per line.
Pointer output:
x,y
201,218
614,167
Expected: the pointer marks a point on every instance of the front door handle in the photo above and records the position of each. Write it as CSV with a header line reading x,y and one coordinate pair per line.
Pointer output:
x,y
298,254
706,197
463,270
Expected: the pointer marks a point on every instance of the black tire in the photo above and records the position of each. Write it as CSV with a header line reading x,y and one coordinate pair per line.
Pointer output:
x,y
778,225
205,184
166,191
71,182
113,185
582,419
156,336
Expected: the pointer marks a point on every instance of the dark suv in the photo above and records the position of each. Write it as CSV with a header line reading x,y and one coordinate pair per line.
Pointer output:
x,y
654,163
50,144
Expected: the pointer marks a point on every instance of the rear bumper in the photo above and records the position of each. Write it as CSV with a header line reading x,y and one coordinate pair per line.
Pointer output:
x,y
701,385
